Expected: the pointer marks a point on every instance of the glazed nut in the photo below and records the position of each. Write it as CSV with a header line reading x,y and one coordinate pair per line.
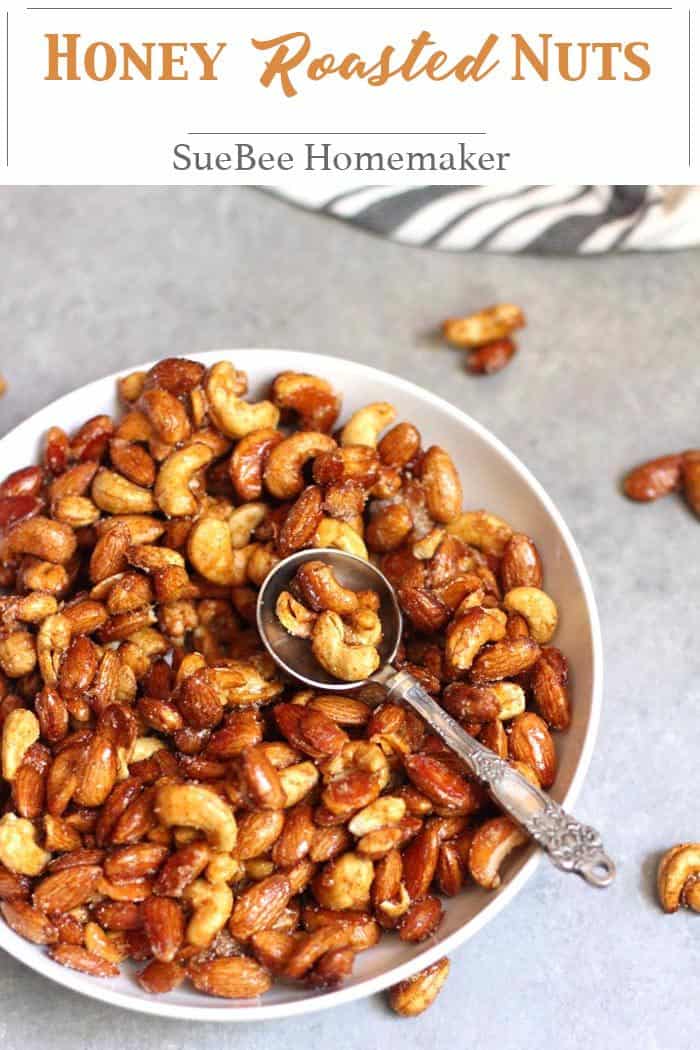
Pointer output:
x,y
486,326
678,877
233,416
283,473
385,812
115,494
210,549
531,742
537,608
297,781
511,699
311,398
319,588
443,490
19,850
17,653
491,358
173,489
212,904
344,882
20,730
691,479
349,663
365,425
43,538
483,530
492,843
413,996
467,634
340,536
294,616
655,478
192,806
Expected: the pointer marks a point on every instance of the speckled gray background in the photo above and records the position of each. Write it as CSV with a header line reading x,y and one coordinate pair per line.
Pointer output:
x,y
92,280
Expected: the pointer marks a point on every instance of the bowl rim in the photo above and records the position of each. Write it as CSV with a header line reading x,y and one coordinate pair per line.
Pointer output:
x,y
26,952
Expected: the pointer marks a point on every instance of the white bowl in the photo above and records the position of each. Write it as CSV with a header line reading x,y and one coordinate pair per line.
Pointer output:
x,y
494,479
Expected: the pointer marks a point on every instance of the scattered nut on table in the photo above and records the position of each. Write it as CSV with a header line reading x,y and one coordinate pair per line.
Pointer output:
x,y
486,336
666,474
167,798
678,878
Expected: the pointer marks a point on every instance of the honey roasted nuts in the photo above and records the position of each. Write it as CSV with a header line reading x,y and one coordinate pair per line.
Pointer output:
x,y
167,797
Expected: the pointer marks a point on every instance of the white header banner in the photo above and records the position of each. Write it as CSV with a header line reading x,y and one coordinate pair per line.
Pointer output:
x,y
108,94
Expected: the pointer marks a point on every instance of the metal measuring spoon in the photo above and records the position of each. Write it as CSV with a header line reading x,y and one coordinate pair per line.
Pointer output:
x,y
570,845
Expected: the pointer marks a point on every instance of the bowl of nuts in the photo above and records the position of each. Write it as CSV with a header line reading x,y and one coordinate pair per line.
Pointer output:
x,y
185,830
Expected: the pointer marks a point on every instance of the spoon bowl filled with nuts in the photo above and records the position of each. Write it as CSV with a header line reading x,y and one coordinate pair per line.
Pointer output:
x,y
242,612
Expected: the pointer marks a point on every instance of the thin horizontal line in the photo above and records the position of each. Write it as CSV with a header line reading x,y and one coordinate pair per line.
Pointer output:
x,y
331,133
424,8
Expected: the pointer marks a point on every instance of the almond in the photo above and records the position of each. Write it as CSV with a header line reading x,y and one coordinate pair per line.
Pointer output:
x,y
258,907
420,861
161,977
521,565
443,786
691,479
531,742
77,958
655,478
67,889
235,977
28,922
164,924
504,659
421,920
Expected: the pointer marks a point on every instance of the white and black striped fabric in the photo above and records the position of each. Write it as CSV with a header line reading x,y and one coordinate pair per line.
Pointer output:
x,y
547,220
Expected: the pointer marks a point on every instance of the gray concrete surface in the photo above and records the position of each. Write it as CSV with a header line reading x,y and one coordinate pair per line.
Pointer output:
x,y
95,279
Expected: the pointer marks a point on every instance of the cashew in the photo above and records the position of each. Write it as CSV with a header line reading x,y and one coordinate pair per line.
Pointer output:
x,y
230,413
511,699
340,536
30,608
145,746
490,846
224,868
480,529
350,663
384,812
294,617
173,490
297,781
213,555
486,326
537,608
395,908
197,807
212,904
344,883
53,639
116,495
18,846
19,732
17,654
321,590
365,425
425,548
283,472
261,561
240,683
151,559
363,628
76,511
46,539
679,872
243,522
467,634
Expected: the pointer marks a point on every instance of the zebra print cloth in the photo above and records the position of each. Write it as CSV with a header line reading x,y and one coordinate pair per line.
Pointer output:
x,y
547,220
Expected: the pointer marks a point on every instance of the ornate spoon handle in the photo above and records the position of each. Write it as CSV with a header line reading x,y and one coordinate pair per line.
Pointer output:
x,y
570,845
